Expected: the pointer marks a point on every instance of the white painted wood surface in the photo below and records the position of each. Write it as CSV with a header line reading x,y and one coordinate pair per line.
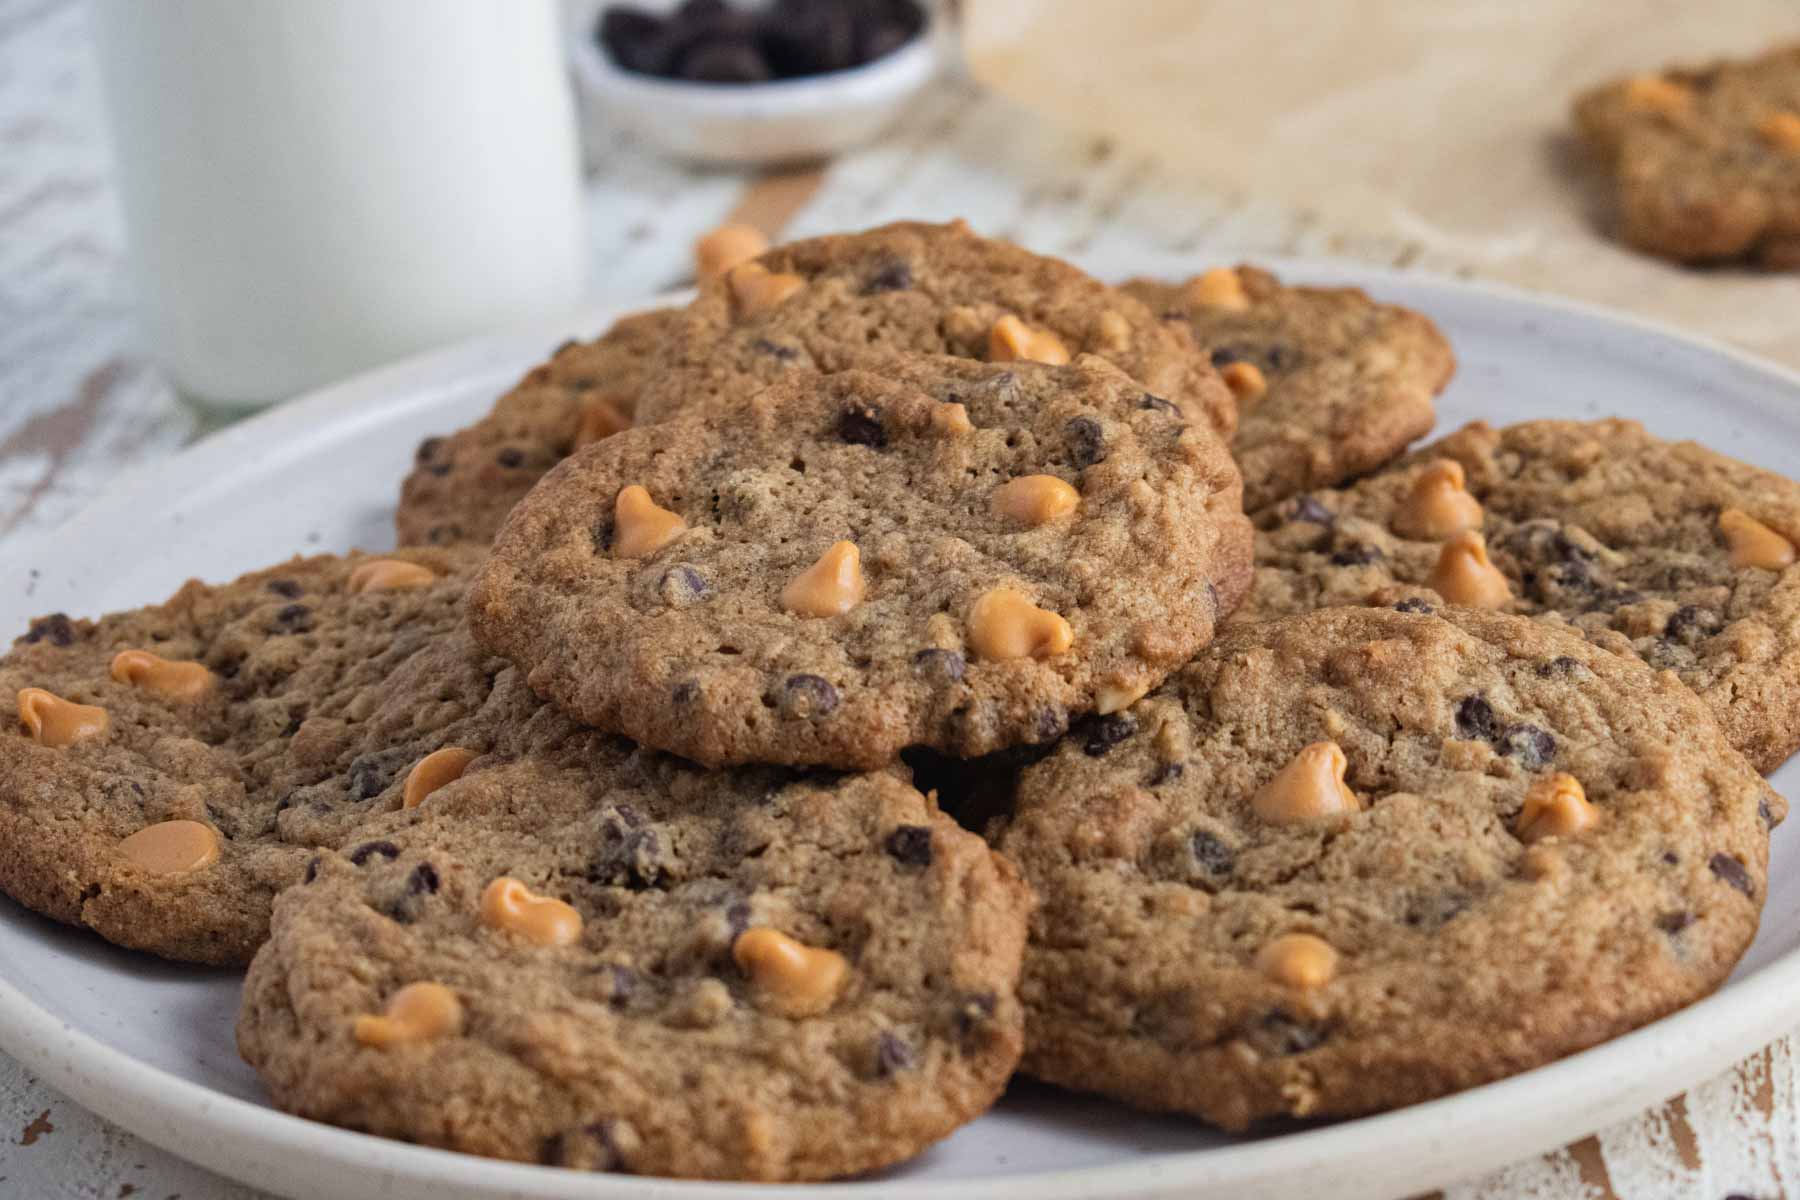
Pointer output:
x,y
79,402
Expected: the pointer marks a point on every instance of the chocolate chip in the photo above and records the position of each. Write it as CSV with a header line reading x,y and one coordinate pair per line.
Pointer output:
x,y
423,881
1532,746
1279,1035
1087,441
1475,720
369,775
1561,666
686,692
1052,723
974,1011
1732,872
860,425
296,618
1431,912
1689,623
776,350
1224,356
1157,404
633,38
940,664
56,628
910,845
1108,732
1766,813
602,534
682,585
1670,857
1211,853
724,62
626,857
1165,773
1357,554
428,449
590,1148
510,457
893,1055
1674,922
363,853
895,276
807,696
312,869
1413,604
1308,508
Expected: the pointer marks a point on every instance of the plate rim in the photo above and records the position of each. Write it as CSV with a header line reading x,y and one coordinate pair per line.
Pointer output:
x,y
1731,1021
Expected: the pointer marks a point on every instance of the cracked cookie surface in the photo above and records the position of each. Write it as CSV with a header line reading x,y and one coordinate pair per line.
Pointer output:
x,y
1705,160
1542,846
276,746
750,974
1596,524
855,300
1339,386
463,484
949,553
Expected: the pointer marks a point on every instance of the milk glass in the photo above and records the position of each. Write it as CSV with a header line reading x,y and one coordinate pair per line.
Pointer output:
x,y
312,187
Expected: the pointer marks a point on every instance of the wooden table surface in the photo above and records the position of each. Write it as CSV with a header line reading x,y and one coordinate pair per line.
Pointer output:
x,y
79,402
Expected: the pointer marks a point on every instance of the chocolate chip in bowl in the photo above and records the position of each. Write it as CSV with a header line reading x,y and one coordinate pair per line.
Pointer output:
x,y
755,84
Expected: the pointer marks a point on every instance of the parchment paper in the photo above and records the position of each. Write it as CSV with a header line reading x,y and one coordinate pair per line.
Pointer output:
x,y
1444,122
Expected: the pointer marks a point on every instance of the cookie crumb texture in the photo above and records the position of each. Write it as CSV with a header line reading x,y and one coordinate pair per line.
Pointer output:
x,y
1705,160
853,300
463,484
771,978
843,581
1349,382
1193,955
281,749
1596,524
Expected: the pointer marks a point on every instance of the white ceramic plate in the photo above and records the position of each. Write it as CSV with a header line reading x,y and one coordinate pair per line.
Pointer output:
x,y
149,1045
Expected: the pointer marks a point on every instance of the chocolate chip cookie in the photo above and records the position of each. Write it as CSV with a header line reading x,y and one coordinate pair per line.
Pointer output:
x,y
606,959
1359,858
951,553
1705,160
463,484
856,300
1668,550
1329,384
164,772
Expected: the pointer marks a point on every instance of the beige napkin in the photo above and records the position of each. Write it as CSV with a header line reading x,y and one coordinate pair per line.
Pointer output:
x,y
1442,122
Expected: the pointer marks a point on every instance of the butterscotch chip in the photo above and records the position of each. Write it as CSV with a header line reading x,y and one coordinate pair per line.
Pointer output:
x,y
1665,549
1329,384
604,913
1220,287
442,766
1035,499
1703,159
910,289
830,587
641,527
1439,505
50,720
756,289
389,575
1298,960
1465,575
171,847
418,1012
1556,806
1004,623
241,728
1754,544
793,979
462,485
853,579
1329,968
726,247
153,673
510,905
1011,340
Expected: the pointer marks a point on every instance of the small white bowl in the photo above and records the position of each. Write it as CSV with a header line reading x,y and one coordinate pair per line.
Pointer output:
x,y
757,124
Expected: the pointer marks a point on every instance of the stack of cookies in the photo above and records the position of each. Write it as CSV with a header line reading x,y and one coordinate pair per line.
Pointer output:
x,y
915,661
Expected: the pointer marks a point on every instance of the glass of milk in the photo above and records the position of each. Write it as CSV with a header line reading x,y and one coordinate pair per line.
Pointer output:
x,y
312,187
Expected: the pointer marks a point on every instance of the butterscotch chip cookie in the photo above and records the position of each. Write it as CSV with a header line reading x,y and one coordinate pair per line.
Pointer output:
x,y
856,300
1329,383
1666,550
1359,858
606,959
1705,160
955,554
463,484
165,771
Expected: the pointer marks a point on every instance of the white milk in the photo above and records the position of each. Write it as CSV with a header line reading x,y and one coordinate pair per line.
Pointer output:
x,y
312,187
